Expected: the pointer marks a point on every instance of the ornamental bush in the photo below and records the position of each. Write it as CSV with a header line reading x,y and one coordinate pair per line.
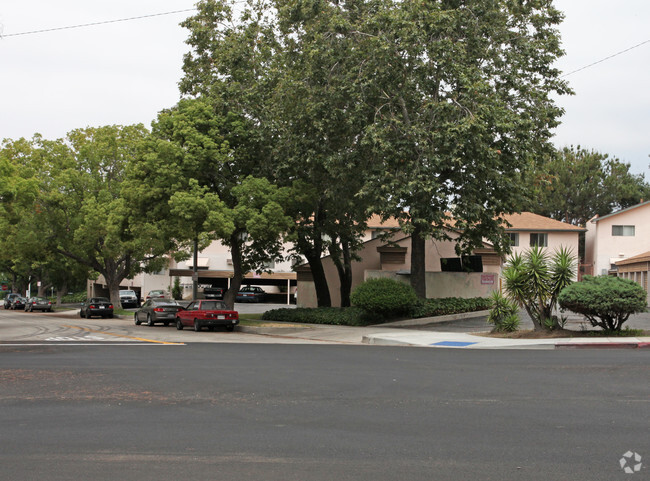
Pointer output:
x,y
605,301
383,296
503,313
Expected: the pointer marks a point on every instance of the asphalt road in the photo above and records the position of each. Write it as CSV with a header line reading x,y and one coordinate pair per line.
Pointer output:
x,y
309,412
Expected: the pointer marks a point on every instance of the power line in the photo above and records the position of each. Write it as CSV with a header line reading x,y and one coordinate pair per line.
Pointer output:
x,y
96,23
193,9
604,59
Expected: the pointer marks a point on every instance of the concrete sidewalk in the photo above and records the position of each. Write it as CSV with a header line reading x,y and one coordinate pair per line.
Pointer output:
x,y
413,332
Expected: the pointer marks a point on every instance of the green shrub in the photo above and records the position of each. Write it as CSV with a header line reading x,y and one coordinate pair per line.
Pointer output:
x,y
503,313
177,290
606,301
383,296
448,305
347,316
534,280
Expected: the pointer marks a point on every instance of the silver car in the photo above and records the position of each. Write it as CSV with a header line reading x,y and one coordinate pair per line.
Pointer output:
x,y
157,311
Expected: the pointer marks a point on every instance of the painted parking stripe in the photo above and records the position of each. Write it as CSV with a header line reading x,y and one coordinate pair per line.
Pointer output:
x,y
452,344
141,339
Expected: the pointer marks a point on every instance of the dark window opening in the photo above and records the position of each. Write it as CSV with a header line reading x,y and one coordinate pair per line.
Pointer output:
x,y
462,264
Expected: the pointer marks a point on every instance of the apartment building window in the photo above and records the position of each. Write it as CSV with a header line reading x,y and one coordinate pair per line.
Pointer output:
x,y
539,239
623,230
514,239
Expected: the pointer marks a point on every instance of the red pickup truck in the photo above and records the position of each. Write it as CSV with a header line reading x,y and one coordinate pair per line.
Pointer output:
x,y
206,313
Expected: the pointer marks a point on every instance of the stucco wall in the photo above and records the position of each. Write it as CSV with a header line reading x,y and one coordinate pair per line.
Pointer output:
x,y
450,284
602,246
556,240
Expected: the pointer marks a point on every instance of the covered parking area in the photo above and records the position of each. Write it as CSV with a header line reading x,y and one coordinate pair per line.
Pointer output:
x,y
285,283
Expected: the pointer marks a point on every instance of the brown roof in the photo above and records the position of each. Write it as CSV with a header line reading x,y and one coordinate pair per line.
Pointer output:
x,y
375,222
527,221
645,257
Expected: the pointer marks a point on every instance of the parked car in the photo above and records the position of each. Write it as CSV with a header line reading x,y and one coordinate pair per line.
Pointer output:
x,y
18,303
206,313
250,294
213,292
8,298
38,304
157,310
129,298
96,306
157,294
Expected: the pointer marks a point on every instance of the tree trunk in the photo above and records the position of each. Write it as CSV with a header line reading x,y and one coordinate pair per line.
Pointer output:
x,y
320,281
238,273
195,270
418,266
343,262
60,292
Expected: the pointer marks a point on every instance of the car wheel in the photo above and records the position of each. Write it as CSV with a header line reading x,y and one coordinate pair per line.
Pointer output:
x,y
197,325
179,324
135,318
230,328
110,316
149,320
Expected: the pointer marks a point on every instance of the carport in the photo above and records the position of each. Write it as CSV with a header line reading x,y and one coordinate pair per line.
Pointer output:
x,y
284,280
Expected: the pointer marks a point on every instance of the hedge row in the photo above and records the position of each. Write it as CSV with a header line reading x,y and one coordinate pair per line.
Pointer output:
x,y
348,316
449,305
354,316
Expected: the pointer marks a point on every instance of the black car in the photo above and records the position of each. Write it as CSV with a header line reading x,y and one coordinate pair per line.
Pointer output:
x,y
250,294
18,303
157,310
8,298
96,306
213,292
38,304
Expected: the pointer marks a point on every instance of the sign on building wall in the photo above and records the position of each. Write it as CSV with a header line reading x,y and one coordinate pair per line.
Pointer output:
x,y
488,278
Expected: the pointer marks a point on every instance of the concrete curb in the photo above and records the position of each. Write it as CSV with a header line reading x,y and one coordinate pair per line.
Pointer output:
x,y
423,321
603,345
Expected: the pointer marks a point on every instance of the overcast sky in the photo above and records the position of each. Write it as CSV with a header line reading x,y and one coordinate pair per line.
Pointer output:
x,y
124,73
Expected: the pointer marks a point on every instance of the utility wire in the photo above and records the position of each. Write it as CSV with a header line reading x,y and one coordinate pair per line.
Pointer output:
x,y
96,23
604,59
193,9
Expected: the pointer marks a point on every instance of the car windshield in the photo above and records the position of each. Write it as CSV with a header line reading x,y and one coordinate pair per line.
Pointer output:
x,y
127,293
213,306
165,302
99,299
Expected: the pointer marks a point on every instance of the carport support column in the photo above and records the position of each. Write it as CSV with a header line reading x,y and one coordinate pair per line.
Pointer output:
x,y
288,292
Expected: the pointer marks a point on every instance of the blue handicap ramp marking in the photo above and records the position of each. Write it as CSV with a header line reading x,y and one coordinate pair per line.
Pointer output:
x,y
453,343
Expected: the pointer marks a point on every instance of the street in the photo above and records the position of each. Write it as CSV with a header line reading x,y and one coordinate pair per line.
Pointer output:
x,y
138,410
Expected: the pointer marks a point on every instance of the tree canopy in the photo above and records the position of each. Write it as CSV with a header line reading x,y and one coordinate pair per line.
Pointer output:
x,y
431,110
574,184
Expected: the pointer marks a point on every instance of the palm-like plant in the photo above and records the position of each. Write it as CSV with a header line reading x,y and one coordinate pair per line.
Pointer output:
x,y
534,281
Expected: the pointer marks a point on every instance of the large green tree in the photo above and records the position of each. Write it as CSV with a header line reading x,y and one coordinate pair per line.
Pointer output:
x,y
26,254
448,102
86,217
574,184
463,98
195,181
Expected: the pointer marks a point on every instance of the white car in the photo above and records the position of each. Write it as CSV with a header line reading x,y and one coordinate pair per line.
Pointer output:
x,y
129,299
